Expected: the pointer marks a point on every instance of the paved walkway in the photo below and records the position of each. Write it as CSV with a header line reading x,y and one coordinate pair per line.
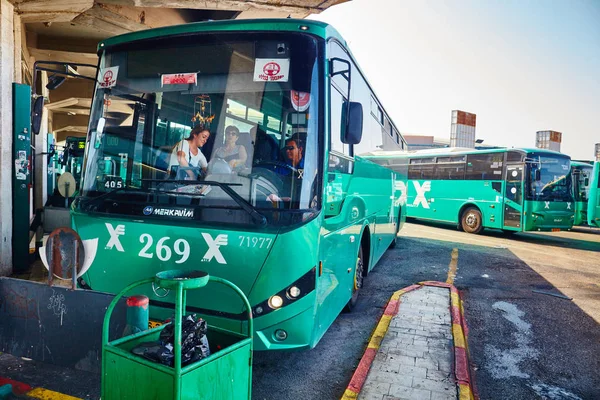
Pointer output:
x,y
417,351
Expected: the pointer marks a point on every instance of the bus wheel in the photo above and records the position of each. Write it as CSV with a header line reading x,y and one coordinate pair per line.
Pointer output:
x,y
395,240
471,220
358,281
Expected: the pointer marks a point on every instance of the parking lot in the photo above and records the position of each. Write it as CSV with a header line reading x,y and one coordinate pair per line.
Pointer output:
x,y
532,305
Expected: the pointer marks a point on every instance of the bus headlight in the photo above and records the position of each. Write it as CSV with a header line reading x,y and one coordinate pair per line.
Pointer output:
x,y
290,294
275,302
294,292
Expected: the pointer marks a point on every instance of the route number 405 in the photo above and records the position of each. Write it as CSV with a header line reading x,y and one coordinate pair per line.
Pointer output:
x,y
113,184
163,251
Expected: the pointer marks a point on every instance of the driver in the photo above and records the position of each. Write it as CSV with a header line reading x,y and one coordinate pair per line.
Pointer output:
x,y
187,153
294,165
293,156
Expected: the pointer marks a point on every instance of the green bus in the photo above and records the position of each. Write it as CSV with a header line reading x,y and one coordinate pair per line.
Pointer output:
x,y
593,211
297,238
72,158
581,174
515,190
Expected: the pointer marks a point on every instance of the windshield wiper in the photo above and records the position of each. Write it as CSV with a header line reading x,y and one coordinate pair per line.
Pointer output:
x,y
88,200
226,187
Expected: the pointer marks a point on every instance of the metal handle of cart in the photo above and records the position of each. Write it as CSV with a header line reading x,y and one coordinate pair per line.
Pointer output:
x,y
179,281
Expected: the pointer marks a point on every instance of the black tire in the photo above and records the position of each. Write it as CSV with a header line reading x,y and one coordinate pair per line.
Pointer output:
x,y
358,281
471,220
395,241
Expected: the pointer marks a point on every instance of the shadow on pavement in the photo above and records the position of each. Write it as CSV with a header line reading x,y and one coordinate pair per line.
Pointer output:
x,y
538,238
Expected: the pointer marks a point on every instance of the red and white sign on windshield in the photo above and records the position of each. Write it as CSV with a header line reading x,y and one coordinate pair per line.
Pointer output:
x,y
271,70
179,79
300,100
108,77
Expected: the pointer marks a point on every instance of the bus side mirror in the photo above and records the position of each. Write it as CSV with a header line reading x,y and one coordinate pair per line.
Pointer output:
x,y
36,115
355,123
538,175
55,81
586,181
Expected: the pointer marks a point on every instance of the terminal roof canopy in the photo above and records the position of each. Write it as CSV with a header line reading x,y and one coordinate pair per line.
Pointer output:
x,y
69,31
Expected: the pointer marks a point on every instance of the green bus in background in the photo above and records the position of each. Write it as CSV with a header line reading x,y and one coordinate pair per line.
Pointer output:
x,y
593,211
515,190
581,174
298,237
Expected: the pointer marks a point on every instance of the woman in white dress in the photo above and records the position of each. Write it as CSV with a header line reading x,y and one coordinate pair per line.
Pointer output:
x,y
187,153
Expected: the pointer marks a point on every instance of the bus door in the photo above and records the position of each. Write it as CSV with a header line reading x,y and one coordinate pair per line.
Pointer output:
x,y
339,243
593,210
513,197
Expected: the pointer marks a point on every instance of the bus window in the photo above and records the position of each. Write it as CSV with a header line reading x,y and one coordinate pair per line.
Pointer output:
x,y
450,168
484,166
421,168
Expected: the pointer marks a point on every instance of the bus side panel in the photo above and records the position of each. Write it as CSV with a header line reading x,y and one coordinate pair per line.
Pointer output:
x,y
369,200
338,249
442,200
594,197
383,203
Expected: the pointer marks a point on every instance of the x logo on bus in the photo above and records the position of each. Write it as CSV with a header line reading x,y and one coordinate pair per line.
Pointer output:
x,y
420,198
114,236
213,247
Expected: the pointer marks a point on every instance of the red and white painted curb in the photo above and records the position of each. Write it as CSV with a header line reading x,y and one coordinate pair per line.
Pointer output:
x,y
459,334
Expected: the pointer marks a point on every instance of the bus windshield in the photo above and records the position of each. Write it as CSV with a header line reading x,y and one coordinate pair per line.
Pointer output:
x,y
553,182
181,126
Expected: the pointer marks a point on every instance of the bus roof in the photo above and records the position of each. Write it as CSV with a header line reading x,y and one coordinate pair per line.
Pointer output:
x,y
580,164
457,151
259,25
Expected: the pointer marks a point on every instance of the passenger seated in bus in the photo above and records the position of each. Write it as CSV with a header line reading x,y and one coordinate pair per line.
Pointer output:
x,y
187,154
234,154
264,146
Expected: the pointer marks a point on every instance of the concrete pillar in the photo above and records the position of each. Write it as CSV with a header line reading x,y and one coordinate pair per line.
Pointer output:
x,y
17,34
7,76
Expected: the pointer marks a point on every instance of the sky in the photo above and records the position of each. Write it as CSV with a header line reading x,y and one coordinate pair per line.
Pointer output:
x,y
521,66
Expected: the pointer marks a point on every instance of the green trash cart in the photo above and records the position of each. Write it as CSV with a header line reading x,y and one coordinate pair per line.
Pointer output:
x,y
225,374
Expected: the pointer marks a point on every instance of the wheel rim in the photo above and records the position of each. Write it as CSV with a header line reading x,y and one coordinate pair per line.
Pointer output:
x,y
358,276
471,220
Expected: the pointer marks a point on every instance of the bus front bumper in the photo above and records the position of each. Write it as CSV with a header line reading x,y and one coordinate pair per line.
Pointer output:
x,y
548,221
289,328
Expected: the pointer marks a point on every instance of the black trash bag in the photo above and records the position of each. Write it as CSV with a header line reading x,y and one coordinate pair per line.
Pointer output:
x,y
155,351
194,343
